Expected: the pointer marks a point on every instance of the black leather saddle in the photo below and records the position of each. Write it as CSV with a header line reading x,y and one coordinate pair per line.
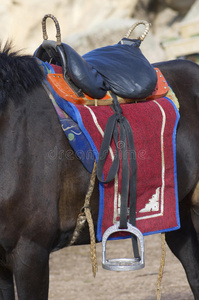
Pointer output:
x,y
121,68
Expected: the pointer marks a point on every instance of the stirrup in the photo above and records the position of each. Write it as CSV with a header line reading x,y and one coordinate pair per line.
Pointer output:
x,y
123,264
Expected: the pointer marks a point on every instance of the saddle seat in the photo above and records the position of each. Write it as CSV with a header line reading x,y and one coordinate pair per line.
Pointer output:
x,y
121,68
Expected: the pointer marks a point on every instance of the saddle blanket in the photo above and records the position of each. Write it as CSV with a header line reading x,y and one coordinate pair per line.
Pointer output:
x,y
154,126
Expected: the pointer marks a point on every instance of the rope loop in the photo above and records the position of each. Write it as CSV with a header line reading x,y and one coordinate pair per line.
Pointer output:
x,y
144,34
58,32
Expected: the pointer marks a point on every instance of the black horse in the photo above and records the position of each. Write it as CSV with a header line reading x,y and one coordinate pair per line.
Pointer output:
x,y
41,195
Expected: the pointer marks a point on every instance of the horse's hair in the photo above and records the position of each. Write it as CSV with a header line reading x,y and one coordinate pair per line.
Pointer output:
x,y
18,74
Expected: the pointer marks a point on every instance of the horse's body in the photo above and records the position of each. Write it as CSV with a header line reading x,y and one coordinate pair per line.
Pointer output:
x,y
43,184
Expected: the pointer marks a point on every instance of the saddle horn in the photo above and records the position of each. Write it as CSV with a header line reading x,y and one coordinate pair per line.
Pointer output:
x,y
144,34
58,32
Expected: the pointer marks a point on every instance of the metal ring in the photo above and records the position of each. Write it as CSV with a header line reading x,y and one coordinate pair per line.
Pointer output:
x,y
58,32
142,36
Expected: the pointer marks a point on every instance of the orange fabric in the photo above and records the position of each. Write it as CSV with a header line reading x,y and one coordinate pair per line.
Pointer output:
x,y
161,87
66,92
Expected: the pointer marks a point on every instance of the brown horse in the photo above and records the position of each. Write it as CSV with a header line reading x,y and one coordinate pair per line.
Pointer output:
x,y
41,196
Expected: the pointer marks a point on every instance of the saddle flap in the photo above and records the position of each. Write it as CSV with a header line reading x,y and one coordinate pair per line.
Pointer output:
x,y
125,69
83,74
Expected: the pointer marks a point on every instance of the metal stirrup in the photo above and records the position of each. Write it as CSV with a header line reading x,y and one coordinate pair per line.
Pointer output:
x,y
123,264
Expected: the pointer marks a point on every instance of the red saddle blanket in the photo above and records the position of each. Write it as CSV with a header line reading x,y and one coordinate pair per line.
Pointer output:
x,y
154,125
154,129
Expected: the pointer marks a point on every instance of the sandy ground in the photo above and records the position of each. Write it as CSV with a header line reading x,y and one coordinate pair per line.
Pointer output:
x,y
71,276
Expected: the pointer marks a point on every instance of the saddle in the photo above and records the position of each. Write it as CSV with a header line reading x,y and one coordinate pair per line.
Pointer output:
x,y
124,72
121,68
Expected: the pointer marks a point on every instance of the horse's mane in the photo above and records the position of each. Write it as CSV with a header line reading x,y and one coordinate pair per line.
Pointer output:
x,y
18,74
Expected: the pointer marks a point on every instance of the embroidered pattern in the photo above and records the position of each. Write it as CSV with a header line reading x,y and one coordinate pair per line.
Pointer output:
x,y
153,204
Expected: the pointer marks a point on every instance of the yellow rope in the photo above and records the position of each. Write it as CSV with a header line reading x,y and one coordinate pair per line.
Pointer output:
x,y
92,241
81,220
161,269
84,216
90,220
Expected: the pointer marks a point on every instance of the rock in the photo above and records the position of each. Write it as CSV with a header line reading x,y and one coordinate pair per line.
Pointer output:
x,y
192,14
87,24
111,32
181,6
21,20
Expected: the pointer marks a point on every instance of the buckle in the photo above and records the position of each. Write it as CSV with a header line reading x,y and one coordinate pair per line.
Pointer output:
x,y
123,264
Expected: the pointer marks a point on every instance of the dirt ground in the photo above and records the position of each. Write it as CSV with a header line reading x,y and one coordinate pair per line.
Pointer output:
x,y
71,276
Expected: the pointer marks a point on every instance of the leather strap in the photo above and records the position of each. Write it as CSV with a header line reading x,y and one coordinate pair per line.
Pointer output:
x,y
128,158
110,131
127,154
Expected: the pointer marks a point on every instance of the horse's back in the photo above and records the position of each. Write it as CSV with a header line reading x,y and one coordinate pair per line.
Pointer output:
x,y
183,77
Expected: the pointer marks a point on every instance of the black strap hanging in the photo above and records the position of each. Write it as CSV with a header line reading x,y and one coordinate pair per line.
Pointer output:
x,y
123,138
